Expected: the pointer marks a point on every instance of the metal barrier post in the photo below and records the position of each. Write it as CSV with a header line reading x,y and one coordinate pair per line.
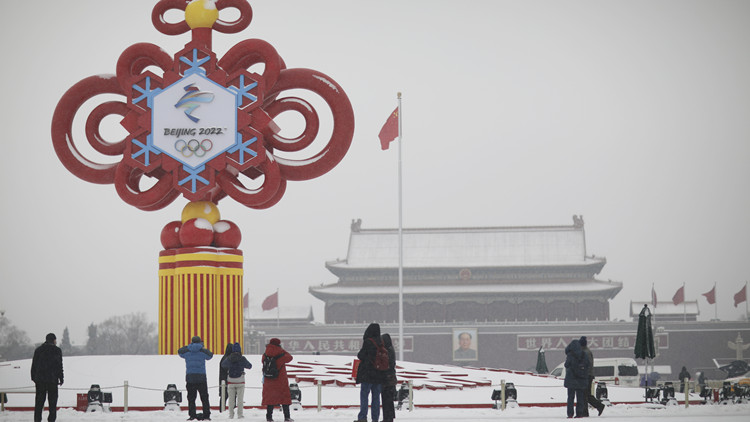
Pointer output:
x,y
222,395
2,402
125,396
411,395
686,383
320,395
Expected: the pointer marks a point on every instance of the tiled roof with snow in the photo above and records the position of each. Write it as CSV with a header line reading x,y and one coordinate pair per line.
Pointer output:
x,y
578,287
468,247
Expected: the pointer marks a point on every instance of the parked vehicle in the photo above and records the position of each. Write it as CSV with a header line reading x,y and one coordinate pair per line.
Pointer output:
x,y
613,371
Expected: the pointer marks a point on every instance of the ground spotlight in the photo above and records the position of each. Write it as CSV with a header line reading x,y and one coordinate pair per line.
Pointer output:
x,y
601,393
403,394
296,394
667,396
97,399
172,398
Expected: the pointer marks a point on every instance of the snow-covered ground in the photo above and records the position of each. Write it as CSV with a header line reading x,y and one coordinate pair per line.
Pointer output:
x,y
442,393
617,413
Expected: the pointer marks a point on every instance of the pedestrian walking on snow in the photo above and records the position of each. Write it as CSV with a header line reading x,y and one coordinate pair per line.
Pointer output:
x,y
598,405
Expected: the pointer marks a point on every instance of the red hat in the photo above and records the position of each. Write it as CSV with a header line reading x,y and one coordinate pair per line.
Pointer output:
x,y
275,341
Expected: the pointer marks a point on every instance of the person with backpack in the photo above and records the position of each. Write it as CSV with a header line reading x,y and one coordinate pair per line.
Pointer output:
x,y
389,383
235,365
576,378
275,383
369,377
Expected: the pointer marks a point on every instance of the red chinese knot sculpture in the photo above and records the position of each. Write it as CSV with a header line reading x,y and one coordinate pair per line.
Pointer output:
x,y
198,124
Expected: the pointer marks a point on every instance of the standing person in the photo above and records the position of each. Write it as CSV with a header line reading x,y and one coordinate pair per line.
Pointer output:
x,y
598,405
47,374
702,384
370,378
390,381
576,378
235,366
276,390
684,374
223,375
195,356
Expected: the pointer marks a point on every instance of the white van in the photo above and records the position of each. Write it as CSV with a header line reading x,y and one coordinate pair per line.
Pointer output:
x,y
613,371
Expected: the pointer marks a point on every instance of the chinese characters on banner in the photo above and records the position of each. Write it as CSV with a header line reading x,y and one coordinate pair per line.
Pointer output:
x,y
618,341
335,344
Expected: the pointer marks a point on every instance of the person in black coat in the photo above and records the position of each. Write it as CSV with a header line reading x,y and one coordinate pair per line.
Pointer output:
x,y
390,381
598,405
47,374
223,374
369,378
684,374
576,378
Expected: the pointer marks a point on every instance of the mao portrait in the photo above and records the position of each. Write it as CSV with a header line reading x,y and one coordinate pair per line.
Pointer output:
x,y
465,344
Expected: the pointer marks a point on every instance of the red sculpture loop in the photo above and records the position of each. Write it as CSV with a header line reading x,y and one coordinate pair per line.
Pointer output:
x,y
201,124
177,28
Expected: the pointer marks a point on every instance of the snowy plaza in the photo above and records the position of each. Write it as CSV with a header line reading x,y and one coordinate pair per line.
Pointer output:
x,y
441,392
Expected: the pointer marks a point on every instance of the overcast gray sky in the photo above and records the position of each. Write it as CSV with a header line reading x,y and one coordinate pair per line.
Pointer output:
x,y
635,114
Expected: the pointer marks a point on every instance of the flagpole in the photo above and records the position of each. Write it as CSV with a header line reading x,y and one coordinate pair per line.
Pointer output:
x,y
654,300
278,310
716,306
653,329
684,304
400,245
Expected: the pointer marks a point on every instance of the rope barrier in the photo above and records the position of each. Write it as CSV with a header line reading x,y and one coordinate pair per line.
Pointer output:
x,y
247,387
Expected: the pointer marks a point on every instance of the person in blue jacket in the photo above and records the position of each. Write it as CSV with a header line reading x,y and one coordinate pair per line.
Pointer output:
x,y
195,356
235,365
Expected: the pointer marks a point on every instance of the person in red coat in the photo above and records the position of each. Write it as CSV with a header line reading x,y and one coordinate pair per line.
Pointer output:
x,y
276,390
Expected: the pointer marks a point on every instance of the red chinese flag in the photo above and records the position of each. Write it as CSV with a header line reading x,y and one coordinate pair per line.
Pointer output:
x,y
679,296
389,132
740,296
270,302
711,296
245,300
653,297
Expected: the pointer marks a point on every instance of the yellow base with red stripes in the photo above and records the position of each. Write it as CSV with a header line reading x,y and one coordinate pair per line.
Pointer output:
x,y
200,294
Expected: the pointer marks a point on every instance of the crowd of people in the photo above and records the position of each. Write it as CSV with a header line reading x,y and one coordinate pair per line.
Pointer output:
x,y
47,375
375,373
232,372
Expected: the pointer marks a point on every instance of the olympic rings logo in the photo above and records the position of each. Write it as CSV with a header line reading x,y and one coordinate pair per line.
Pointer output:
x,y
193,147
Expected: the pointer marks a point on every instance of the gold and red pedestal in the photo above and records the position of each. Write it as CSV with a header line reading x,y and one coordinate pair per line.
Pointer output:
x,y
200,294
